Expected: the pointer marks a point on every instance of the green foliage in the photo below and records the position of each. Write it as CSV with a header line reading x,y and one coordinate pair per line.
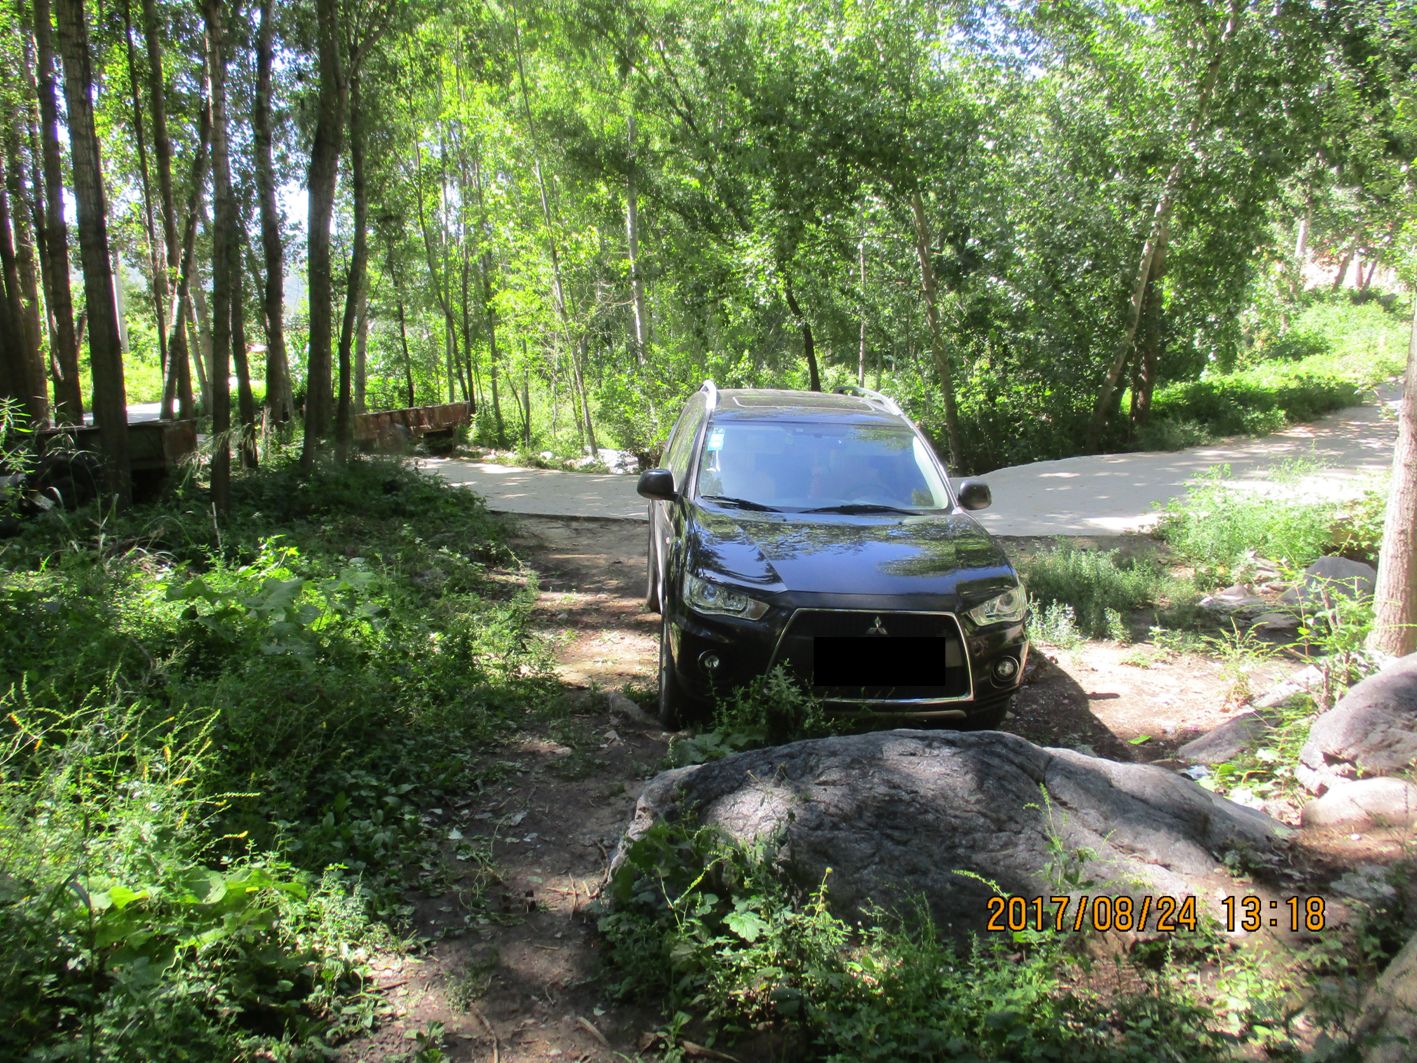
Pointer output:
x,y
14,453
1222,531
219,746
709,928
1089,593
768,710
1334,350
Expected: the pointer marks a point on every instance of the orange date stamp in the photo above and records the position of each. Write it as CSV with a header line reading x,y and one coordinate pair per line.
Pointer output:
x,y
1162,914
1099,913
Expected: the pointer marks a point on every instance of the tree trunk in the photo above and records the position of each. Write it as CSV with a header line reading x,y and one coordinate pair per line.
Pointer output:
x,y
224,222
861,342
1342,270
246,400
178,386
632,241
105,353
1156,236
324,170
68,393
1395,597
938,348
344,420
361,350
156,250
485,269
809,345
279,401
18,262
558,292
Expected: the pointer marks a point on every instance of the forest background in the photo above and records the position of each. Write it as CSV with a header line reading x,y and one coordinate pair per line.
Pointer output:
x,y
1047,228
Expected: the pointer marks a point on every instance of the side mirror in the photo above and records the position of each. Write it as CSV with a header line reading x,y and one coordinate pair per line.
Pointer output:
x,y
656,484
975,494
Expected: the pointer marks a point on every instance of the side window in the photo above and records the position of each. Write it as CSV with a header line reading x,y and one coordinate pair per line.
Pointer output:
x,y
681,444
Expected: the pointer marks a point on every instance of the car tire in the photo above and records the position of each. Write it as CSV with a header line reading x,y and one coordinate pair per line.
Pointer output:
x,y
651,572
989,717
671,697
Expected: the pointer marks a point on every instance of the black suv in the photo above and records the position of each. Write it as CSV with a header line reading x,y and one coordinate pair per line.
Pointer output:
x,y
820,532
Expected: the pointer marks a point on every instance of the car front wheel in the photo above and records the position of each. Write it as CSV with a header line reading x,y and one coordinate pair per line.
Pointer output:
x,y
671,697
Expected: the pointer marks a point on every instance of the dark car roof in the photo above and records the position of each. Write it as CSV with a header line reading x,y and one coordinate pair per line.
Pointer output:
x,y
767,404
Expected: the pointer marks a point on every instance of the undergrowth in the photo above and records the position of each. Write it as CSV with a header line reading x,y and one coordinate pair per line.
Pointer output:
x,y
767,710
218,742
1079,594
1225,532
710,929
1335,349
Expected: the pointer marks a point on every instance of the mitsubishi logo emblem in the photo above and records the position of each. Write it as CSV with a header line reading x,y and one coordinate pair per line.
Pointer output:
x,y
877,628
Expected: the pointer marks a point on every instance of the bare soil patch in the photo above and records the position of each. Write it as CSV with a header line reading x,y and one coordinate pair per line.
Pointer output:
x,y
512,971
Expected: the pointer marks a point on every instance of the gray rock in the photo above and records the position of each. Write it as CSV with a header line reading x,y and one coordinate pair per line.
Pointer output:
x,y
1364,803
898,814
620,706
1276,621
1237,601
1371,731
1332,577
1387,1026
1226,742
1301,683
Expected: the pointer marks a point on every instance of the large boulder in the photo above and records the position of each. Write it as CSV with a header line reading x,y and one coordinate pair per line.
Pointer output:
x,y
1224,743
1371,731
898,814
1364,803
1387,1026
1332,577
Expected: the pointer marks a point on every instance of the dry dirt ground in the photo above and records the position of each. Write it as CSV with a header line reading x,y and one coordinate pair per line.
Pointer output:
x,y
512,969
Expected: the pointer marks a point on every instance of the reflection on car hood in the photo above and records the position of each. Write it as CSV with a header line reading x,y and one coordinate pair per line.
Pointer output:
x,y
876,554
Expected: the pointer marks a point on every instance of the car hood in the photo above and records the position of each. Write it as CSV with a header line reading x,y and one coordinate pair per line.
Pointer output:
x,y
871,555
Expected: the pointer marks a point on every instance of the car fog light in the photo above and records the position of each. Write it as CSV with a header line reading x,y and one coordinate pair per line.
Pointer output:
x,y
709,662
1005,668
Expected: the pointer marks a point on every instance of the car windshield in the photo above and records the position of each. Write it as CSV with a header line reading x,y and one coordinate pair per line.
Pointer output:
x,y
820,466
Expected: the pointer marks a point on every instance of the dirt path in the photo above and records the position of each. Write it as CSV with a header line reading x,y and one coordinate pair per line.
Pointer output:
x,y
513,971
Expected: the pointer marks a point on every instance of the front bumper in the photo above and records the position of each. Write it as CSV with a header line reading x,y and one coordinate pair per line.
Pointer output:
x,y
959,673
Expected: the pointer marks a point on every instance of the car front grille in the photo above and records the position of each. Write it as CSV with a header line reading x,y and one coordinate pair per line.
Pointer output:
x,y
879,659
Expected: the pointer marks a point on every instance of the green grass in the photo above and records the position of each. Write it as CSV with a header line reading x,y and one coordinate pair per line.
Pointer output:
x,y
218,743
1080,593
1225,532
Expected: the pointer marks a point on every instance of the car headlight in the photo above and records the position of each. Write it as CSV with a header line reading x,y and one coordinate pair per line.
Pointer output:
x,y
707,597
1008,607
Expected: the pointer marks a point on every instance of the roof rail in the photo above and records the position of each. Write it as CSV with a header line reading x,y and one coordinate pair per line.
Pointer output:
x,y
710,389
869,395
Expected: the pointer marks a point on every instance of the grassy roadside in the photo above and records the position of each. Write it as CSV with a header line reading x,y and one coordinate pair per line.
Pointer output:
x,y
217,744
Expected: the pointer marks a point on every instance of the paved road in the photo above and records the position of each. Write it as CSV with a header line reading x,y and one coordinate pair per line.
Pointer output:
x,y
1103,494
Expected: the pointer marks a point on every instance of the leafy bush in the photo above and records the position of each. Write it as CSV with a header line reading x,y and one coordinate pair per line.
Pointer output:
x,y
768,710
218,747
1336,348
1223,531
699,923
1090,592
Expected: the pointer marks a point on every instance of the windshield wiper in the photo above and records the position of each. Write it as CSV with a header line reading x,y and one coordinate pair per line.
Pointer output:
x,y
741,503
859,507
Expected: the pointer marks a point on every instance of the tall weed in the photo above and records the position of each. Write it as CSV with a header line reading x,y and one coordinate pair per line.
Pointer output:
x,y
218,746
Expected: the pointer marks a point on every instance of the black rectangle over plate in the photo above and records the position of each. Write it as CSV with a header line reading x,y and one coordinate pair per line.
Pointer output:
x,y
882,661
